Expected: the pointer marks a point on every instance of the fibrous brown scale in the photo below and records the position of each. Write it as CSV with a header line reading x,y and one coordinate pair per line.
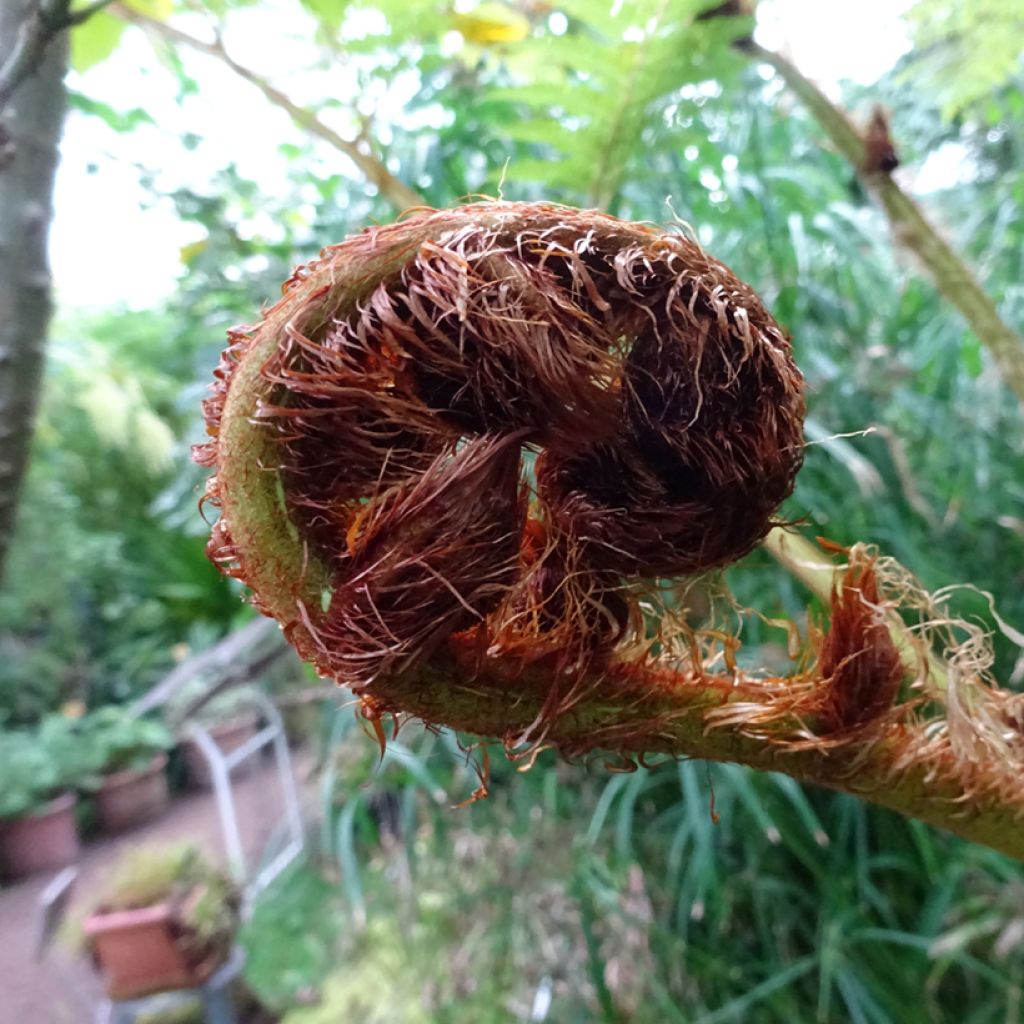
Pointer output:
x,y
850,695
859,665
402,376
465,460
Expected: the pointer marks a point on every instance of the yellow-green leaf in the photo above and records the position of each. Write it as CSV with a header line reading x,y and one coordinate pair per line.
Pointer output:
x,y
189,252
492,23
159,9
95,40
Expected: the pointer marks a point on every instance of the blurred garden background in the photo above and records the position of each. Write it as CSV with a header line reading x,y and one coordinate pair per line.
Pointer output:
x,y
209,146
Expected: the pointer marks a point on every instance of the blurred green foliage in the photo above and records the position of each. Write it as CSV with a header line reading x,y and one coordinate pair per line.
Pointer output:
x,y
106,571
291,939
38,764
614,897
966,53
118,741
73,752
624,899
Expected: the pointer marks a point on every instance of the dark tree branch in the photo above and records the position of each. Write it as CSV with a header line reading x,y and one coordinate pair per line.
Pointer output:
x,y
44,21
951,276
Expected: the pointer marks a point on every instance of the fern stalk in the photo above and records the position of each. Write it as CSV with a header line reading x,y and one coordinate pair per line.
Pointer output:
x,y
911,228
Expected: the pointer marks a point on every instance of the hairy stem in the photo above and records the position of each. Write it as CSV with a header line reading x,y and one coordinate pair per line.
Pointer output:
x,y
658,711
865,711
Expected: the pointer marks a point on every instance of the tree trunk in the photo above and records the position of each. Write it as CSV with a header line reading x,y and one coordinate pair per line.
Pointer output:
x,y
28,162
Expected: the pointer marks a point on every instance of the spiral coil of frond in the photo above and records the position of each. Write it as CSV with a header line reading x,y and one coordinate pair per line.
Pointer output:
x,y
404,375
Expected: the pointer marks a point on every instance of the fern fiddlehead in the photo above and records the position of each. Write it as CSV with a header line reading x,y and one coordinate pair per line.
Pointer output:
x,y
371,438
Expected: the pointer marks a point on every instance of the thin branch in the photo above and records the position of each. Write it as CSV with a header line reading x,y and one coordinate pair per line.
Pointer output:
x,y
40,28
950,275
238,657
908,485
395,191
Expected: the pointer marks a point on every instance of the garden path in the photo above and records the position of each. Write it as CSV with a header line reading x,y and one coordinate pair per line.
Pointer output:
x,y
52,992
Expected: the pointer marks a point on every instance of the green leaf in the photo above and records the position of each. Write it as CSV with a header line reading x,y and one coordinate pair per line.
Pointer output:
x,y
95,40
966,52
562,173
538,94
970,353
161,10
329,13
592,92
544,131
119,120
491,23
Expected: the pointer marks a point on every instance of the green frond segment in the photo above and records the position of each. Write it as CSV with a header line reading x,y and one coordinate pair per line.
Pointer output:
x,y
587,96
966,53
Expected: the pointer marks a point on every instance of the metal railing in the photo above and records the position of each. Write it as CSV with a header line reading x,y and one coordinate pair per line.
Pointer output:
x,y
222,764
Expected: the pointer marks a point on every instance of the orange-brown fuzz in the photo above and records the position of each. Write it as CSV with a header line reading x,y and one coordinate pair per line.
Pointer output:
x,y
860,668
657,395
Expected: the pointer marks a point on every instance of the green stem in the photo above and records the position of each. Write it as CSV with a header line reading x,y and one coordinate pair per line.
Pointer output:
x,y
950,275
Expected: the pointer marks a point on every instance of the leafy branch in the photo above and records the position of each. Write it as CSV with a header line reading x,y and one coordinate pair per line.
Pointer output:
x,y
606,181
359,151
600,88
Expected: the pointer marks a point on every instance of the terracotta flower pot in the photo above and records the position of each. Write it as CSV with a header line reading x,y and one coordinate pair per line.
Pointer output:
x,y
44,841
228,736
128,798
137,954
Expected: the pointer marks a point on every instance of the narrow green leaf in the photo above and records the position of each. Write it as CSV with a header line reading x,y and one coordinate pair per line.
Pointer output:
x,y
119,120
736,1009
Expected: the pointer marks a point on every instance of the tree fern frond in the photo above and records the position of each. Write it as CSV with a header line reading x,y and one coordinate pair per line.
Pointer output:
x,y
620,64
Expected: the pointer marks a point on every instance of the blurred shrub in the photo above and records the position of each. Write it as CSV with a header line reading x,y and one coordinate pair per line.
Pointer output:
x,y
291,939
